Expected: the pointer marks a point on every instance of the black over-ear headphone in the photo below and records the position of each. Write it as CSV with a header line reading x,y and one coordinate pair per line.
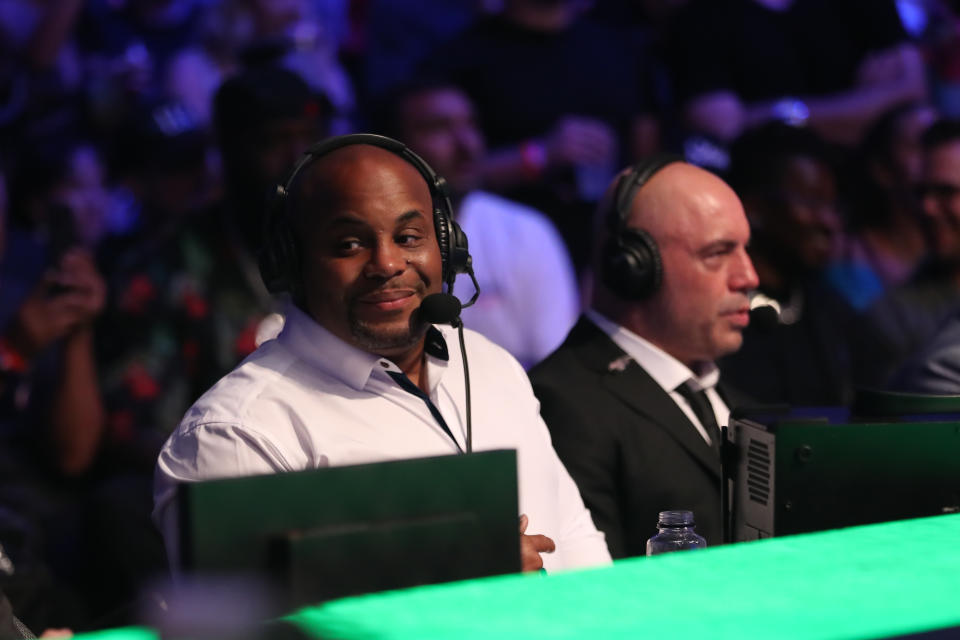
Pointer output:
x,y
280,255
630,263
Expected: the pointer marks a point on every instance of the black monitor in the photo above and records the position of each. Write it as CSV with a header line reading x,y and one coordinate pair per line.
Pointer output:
x,y
341,531
794,474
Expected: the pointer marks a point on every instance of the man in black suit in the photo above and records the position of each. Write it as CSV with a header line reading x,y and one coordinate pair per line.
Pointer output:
x,y
631,396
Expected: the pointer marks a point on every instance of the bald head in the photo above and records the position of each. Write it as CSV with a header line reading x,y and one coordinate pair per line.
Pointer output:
x,y
698,224
678,199
349,170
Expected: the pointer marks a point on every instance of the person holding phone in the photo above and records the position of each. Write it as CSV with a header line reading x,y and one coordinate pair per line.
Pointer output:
x,y
51,416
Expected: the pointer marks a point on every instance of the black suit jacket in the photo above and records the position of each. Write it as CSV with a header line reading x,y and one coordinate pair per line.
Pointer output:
x,y
629,447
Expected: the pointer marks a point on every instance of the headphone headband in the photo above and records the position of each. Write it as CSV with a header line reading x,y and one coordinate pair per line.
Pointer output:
x,y
437,184
629,183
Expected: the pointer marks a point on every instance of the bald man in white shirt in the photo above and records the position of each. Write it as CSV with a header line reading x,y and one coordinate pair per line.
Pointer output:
x,y
356,375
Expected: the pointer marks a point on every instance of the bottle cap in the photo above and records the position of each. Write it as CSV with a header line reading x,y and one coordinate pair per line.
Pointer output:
x,y
676,518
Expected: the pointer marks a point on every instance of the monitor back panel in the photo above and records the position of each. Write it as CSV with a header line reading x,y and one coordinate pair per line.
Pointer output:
x,y
798,476
340,531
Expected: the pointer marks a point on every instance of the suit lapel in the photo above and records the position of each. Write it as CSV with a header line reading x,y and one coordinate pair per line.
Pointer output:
x,y
633,386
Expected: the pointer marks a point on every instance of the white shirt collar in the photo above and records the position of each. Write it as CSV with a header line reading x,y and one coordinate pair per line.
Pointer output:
x,y
666,370
311,342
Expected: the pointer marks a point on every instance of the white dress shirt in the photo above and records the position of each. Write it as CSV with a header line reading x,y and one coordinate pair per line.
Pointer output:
x,y
667,371
307,399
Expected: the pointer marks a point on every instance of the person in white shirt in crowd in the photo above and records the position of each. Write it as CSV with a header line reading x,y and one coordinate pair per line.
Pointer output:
x,y
360,236
530,298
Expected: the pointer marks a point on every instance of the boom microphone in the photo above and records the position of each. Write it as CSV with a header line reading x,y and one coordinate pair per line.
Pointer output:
x,y
764,318
764,312
441,308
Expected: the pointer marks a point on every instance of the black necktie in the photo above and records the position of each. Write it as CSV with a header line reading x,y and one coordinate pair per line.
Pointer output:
x,y
703,410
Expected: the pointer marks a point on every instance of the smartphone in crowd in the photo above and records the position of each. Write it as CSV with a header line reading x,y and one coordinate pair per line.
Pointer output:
x,y
61,237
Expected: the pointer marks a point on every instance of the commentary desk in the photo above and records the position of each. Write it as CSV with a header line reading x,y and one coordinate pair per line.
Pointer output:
x,y
876,581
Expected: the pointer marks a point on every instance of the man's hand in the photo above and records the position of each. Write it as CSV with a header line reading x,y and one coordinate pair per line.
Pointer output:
x,y
68,298
532,546
86,290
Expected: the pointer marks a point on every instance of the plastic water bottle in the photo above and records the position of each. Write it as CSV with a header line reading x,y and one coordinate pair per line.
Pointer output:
x,y
676,534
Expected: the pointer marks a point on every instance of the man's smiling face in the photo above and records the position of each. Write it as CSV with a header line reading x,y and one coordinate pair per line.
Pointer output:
x,y
369,247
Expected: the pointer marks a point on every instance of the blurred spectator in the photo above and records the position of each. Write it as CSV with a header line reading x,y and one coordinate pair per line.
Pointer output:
x,y
910,315
51,292
887,239
562,101
936,367
41,70
816,350
196,71
400,34
160,156
529,297
51,411
156,271
300,35
187,301
786,179
265,118
653,22
60,172
59,310
937,28
128,46
835,65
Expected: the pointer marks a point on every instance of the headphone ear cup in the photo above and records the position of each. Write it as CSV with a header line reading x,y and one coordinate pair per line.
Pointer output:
x,y
442,229
632,267
459,256
278,259
454,252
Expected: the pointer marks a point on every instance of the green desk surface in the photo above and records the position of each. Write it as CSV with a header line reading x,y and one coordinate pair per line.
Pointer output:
x,y
863,582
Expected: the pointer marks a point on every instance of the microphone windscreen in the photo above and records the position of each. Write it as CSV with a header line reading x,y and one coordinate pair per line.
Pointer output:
x,y
440,308
764,317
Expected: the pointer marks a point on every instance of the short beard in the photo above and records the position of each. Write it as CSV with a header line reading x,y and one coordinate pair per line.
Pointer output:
x,y
387,341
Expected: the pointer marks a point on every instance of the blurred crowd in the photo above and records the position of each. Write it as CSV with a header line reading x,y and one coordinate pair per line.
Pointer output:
x,y
139,140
